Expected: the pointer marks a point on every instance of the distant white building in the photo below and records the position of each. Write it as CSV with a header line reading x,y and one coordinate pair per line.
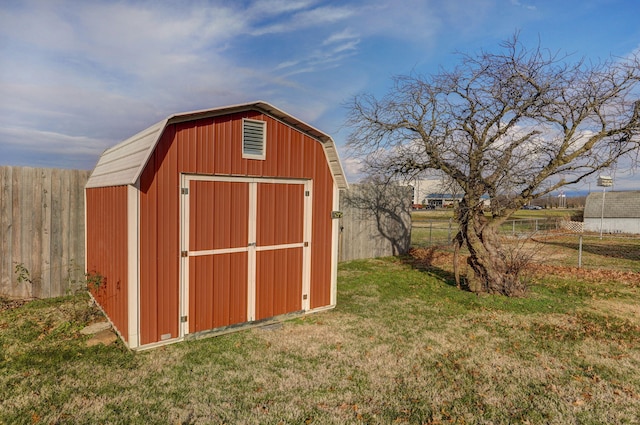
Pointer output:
x,y
436,193
621,212
423,188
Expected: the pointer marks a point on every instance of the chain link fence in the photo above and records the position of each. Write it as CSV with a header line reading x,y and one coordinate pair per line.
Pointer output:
x,y
560,241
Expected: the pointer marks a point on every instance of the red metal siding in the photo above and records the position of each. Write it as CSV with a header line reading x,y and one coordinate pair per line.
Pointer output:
x,y
278,282
159,245
107,253
213,146
218,291
219,215
322,241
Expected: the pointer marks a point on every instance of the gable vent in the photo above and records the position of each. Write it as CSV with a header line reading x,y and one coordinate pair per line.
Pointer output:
x,y
253,139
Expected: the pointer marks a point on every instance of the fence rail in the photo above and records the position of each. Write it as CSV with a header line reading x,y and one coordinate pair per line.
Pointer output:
x,y
41,231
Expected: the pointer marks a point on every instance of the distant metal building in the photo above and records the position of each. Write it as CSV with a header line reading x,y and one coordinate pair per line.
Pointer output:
x,y
213,219
620,212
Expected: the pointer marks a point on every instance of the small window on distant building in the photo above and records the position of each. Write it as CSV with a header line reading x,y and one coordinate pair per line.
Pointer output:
x,y
254,139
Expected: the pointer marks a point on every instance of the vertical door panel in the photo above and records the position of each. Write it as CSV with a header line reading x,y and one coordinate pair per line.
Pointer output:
x,y
218,220
280,221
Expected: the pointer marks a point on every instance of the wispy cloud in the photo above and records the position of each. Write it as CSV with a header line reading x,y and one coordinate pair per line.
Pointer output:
x,y
258,10
313,17
50,142
526,6
330,53
345,35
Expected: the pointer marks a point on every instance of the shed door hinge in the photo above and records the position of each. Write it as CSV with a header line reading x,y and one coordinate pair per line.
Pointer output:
x,y
307,193
306,244
184,253
184,191
183,319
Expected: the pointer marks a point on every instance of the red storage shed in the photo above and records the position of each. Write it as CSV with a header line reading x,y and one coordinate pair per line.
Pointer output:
x,y
213,220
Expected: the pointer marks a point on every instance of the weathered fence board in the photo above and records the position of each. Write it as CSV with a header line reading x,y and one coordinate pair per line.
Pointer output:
x,y
376,221
42,230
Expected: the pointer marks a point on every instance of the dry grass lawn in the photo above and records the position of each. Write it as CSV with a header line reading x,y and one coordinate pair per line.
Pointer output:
x,y
403,346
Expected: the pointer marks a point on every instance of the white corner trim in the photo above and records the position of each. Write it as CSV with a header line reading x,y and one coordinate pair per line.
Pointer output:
x,y
335,245
133,267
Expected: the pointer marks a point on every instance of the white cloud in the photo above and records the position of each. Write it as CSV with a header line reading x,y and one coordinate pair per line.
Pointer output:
x,y
353,168
49,142
262,8
307,18
526,6
345,35
329,54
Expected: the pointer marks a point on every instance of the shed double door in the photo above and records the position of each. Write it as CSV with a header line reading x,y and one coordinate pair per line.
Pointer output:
x,y
245,250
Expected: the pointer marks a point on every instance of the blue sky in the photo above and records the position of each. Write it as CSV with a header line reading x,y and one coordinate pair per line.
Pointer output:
x,y
79,76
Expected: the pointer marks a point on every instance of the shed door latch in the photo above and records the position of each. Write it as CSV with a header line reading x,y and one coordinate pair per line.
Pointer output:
x,y
184,254
184,191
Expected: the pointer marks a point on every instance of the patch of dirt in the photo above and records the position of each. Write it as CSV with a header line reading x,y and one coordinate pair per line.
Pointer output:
x,y
430,257
8,303
105,337
592,275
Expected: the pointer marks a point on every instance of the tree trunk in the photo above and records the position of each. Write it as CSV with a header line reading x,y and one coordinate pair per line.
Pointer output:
x,y
493,272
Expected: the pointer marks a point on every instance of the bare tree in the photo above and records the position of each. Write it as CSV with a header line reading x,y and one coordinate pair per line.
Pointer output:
x,y
516,125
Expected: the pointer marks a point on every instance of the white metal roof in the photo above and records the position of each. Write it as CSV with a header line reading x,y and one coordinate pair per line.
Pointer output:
x,y
123,163
616,205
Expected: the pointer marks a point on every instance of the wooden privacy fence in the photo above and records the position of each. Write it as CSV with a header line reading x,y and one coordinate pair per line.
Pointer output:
x,y
376,221
41,231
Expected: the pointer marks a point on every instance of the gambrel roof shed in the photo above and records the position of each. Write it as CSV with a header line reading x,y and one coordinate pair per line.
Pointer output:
x,y
212,220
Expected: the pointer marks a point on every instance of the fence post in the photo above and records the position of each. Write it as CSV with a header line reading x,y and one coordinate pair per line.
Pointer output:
x,y
580,252
449,236
430,231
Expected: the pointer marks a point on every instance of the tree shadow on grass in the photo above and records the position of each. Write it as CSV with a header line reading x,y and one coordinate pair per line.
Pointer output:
x,y
424,260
